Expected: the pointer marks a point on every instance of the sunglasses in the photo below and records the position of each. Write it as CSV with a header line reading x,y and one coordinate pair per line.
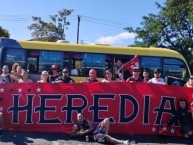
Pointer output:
x,y
65,71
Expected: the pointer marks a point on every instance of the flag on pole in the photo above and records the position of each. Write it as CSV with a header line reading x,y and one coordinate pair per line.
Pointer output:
x,y
128,66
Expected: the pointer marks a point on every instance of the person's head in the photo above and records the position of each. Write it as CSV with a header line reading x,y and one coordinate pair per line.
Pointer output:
x,y
65,72
190,81
19,69
136,71
24,74
108,74
157,73
44,75
182,103
5,69
80,117
146,73
92,74
54,68
119,62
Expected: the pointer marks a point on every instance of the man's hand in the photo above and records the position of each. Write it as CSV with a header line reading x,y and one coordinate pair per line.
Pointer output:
x,y
81,132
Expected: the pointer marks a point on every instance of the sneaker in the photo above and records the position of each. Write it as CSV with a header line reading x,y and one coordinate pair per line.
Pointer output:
x,y
125,142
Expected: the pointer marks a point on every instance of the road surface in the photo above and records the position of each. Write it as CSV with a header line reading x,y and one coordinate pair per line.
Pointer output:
x,y
37,138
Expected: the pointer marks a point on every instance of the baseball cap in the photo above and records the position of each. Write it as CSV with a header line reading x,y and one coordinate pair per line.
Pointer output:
x,y
157,70
44,72
135,69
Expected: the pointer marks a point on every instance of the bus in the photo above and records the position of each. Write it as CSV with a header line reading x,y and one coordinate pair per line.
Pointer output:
x,y
37,56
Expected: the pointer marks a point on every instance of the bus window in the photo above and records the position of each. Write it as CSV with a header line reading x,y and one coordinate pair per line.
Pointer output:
x,y
66,63
173,67
95,61
32,61
119,62
151,63
13,55
108,62
76,64
47,58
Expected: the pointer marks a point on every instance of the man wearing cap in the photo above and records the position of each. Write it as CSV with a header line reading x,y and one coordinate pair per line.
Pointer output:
x,y
135,77
55,74
65,77
157,79
184,116
189,83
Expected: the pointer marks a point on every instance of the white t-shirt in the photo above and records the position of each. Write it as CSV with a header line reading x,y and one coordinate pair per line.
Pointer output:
x,y
156,81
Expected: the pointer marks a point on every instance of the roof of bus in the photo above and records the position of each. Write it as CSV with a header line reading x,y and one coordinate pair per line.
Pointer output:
x,y
152,51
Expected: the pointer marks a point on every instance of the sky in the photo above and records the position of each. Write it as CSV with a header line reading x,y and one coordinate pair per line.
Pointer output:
x,y
101,21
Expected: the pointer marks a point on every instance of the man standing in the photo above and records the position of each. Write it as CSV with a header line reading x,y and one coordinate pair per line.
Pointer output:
x,y
65,77
135,76
157,78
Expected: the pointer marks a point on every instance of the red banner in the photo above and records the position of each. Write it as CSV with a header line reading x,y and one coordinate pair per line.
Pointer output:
x,y
136,108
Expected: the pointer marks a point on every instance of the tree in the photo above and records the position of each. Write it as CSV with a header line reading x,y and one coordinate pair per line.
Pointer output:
x,y
4,32
53,30
171,28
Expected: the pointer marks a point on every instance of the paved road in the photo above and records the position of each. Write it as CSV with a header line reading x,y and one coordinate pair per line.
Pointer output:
x,y
35,138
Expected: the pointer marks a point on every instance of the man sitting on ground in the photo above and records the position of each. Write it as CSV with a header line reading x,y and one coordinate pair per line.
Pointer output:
x,y
184,116
84,128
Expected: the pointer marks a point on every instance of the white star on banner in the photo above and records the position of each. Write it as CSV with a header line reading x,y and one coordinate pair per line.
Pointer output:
x,y
1,90
153,129
172,131
39,89
1,109
19,90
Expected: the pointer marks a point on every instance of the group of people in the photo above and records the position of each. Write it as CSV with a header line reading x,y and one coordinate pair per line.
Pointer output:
x,y
20,75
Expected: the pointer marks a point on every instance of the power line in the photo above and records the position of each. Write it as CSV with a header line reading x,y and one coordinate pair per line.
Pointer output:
x,y
47,18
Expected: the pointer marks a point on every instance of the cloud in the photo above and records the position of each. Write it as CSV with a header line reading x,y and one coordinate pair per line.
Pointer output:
x,y
116,39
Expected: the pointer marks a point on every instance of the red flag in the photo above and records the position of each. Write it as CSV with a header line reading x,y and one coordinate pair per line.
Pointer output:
x,y
130,64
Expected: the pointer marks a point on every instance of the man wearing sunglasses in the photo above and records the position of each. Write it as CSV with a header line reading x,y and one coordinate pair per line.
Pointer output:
x,y
55,74
65,77
157,78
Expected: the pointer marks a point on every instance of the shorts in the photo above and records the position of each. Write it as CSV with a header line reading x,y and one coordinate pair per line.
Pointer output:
x,y
100,137
99,132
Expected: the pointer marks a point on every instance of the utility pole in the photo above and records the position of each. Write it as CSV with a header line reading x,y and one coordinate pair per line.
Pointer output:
x,y
78,29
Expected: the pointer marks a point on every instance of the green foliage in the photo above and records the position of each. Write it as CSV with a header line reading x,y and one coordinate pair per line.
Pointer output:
x,y
53,30
171,28
4,32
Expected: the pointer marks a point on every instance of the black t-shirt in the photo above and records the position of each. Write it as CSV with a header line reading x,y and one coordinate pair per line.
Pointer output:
x,y
83,126
53,78
134,80
66,79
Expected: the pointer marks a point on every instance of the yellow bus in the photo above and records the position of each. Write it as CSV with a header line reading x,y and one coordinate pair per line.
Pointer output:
x,y
37,56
